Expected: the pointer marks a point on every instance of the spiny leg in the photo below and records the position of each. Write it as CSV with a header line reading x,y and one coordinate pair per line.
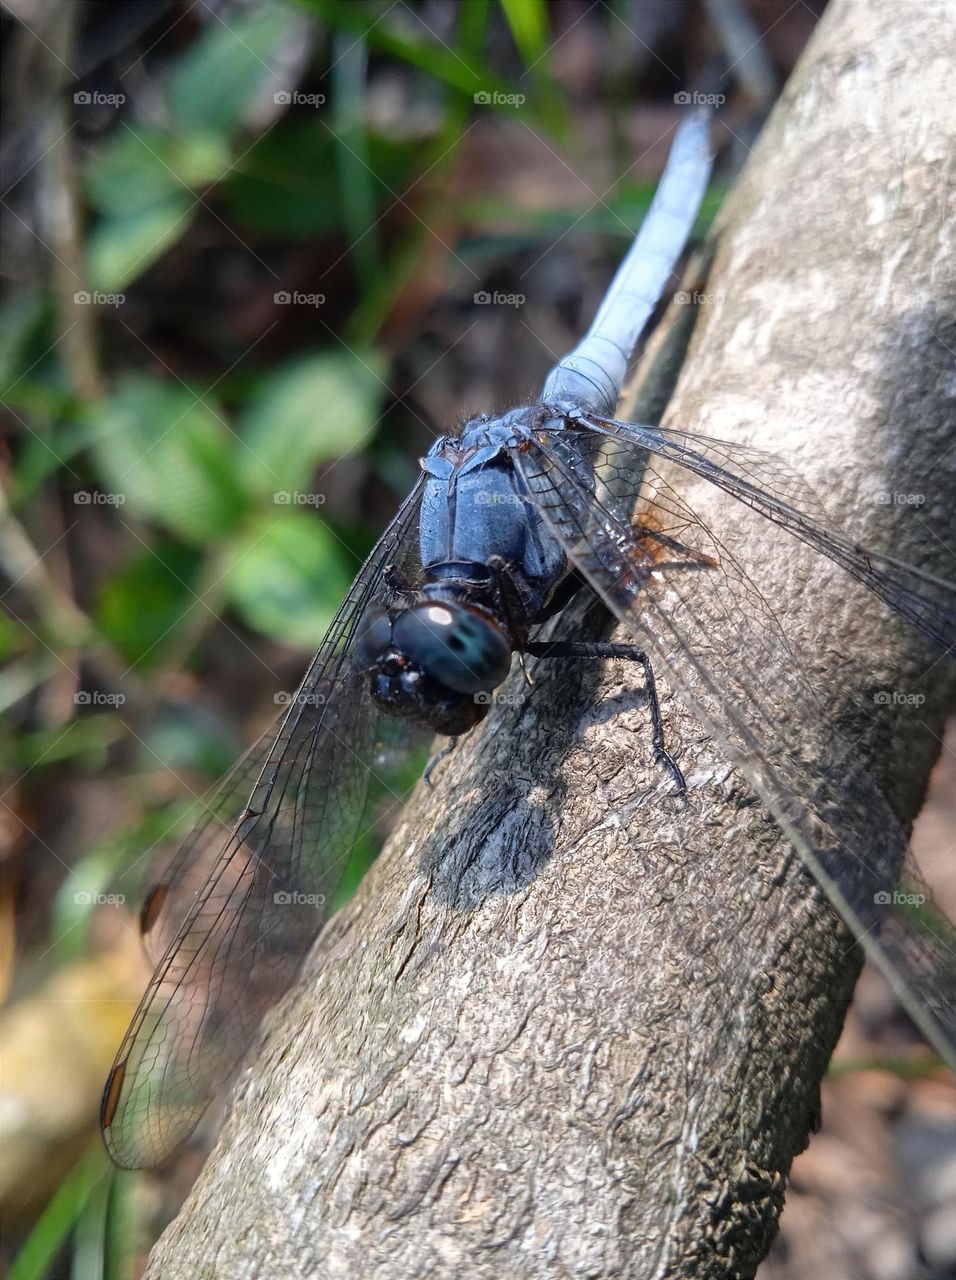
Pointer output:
x,y
628,653
436,760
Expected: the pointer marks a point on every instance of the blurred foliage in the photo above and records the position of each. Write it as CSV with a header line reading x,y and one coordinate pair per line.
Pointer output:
x,y
201,449
65,1212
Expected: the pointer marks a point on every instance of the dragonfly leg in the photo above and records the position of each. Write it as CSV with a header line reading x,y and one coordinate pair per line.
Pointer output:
x,y
564,593
628,653
436,760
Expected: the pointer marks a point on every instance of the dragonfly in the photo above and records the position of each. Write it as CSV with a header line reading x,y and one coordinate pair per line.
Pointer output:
x,y
510,520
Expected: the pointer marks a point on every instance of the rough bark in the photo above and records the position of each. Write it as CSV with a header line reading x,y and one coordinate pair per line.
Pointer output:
x,y
569,1026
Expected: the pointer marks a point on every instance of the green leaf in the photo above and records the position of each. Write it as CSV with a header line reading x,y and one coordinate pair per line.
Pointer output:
x,y
54,441
316,408
164,454
288,575
138,167
12,637
283,184
21,322
231,67
528,21
264,204
441,63
85,742
122,245
140,608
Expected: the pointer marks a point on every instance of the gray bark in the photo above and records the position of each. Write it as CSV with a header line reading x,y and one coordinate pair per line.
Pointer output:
x,y
569,1026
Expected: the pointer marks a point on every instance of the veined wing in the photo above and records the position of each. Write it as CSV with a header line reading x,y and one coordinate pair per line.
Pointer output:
x,y
246,894
766,484
704,621
169,899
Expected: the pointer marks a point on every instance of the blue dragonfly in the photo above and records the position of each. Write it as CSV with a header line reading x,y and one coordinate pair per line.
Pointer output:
x,y
510,520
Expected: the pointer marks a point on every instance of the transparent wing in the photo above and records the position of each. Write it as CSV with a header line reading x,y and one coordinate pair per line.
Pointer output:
x,y
704,621
168,900
767,485
246,894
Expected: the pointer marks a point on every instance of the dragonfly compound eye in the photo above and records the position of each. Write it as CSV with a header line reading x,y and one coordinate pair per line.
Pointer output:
x,y
374,638
457,647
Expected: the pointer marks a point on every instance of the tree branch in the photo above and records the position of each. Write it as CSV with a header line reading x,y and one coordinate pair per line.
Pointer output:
x,y
569,1026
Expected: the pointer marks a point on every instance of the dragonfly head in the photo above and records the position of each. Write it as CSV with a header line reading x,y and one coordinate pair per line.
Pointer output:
x,y
434,663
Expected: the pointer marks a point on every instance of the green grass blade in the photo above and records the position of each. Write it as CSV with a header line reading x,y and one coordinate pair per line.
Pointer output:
x,y
58,1219
356,177
528,21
